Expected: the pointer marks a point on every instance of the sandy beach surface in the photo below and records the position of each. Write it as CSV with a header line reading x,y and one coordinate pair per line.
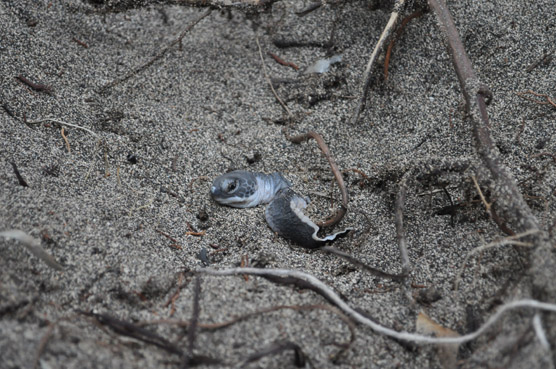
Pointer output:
x,y
116,149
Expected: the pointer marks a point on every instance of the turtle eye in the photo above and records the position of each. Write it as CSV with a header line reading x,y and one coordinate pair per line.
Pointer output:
x,y
231,186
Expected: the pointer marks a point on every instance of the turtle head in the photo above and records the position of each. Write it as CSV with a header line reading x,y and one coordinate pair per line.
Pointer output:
x,y
235,189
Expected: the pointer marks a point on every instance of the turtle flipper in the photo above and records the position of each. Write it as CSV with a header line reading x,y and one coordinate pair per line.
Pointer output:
x,y
285,216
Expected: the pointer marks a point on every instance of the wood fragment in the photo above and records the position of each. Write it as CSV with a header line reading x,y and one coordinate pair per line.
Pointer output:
x,y
447,353
128,329
79,42
20,180
193,233
39,87
366,79
33,245
192,329
66,140
244,264
175,243
282,61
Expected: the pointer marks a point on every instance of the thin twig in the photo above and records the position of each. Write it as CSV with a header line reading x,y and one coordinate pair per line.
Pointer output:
x,y
360,264
530,92
335,219
33,245
400,230
539,330
503,242
62,123
378,48
284,106
215,326
160,54
276,348
483,199
65,139
39,87
404,23
132,330
42,344
330,295
20,179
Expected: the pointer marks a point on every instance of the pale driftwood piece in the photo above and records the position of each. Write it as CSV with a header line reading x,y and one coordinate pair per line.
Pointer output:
x,y
33,245
333,297
379,47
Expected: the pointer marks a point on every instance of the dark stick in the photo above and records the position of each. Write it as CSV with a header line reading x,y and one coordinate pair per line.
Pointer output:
x,y
20,179
363,266
35,86
336,218
131,330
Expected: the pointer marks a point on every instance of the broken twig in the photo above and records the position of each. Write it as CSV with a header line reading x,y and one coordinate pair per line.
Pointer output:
x,y
398,6
333,297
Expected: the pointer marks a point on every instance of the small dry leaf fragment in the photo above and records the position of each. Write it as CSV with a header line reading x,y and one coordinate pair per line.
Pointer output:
x,y
447,353
33,245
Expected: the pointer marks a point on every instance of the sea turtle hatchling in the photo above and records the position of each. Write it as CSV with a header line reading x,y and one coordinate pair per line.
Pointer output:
x,y
284,215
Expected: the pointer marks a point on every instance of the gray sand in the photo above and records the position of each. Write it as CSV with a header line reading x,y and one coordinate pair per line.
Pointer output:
x,y
206,107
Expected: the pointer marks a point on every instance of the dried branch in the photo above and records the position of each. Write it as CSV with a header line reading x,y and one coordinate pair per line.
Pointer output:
x,y
331,296
398,6
509,199
363,266
503,242
335,219
507,193
194,316
134,331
